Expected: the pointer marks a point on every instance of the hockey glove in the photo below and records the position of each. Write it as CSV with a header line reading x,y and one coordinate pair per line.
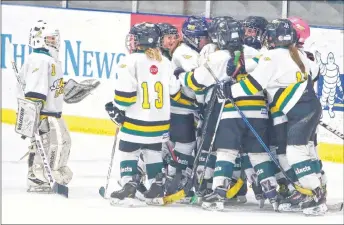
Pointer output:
x,y
224,90
117,116
236,65
178,71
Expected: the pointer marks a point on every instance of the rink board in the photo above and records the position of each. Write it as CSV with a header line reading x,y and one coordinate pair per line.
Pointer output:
x,y
93,43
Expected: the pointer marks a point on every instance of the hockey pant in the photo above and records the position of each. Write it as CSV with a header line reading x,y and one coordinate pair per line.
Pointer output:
x,y
278,146
183,137
57,144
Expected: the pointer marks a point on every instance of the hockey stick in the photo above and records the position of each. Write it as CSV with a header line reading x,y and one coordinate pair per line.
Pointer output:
x,y
56,187
212,142
200,140
236,187
298,188
103,190
332,130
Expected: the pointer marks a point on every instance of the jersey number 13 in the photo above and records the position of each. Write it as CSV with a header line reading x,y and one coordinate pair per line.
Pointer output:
x,y
158,88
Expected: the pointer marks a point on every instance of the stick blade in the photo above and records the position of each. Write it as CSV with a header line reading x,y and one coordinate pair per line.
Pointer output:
x,y
61,189
102,192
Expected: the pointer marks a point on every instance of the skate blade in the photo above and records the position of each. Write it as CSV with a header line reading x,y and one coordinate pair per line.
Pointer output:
x,y
46,190
154,201
186,200
140,196
237,200
319,210
213,206
127,202
287,207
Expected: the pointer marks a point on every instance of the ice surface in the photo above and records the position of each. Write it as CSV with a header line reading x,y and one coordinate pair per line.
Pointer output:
x,y
89,159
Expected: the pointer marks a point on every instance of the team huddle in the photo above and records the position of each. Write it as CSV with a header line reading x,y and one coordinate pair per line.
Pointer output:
x,y
227,105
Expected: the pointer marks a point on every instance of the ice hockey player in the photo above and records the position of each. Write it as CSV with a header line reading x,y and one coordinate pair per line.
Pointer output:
x,y
185,58
209,166
255,37
242,162
232,135
42,80
141,108
303,32
295,97
169,42
254,30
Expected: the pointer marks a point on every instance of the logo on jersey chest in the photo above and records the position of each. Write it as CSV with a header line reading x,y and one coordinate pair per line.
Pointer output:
x,y
153,69
58,87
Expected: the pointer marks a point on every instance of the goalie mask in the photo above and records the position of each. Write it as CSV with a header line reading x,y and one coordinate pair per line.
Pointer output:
x,y
42,36
143,36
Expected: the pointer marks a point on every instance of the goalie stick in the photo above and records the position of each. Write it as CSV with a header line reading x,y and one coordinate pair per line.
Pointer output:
x,y
56,187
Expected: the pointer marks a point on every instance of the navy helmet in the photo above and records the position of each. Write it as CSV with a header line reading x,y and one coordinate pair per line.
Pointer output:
x,y
167,29
142,36
229,35
213,24
194,28
258,24
279,33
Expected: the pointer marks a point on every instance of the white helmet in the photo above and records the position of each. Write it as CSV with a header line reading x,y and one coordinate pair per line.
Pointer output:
x,y
43,36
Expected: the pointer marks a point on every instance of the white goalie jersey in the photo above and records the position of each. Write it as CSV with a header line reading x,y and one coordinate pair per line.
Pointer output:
x,y
43,79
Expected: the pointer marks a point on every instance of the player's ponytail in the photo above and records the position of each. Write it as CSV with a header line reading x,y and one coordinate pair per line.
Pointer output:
x,y
294,54
153,53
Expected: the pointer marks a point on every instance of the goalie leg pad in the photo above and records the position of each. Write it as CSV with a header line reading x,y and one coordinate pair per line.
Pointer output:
x,y
57,143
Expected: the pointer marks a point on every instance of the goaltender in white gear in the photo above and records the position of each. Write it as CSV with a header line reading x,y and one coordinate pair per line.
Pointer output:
x,y
43,82
43,78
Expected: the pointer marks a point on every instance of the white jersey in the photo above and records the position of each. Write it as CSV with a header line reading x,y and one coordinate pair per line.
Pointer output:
x,y
143,89
43,79
280,76
252,106
250,52
186,58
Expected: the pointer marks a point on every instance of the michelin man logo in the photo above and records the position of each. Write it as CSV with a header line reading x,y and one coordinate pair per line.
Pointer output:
x,y
330,72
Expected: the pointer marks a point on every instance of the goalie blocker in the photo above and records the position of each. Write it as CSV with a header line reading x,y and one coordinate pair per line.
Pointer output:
x,y
27,117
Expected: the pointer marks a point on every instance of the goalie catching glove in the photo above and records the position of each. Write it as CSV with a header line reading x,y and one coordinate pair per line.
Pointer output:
x,y
74,92
117,116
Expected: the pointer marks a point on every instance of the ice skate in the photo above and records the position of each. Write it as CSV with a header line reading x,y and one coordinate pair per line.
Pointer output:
x,y
240,197
126,195
155,194
215,200
259,194
270,193
35,184
317,205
